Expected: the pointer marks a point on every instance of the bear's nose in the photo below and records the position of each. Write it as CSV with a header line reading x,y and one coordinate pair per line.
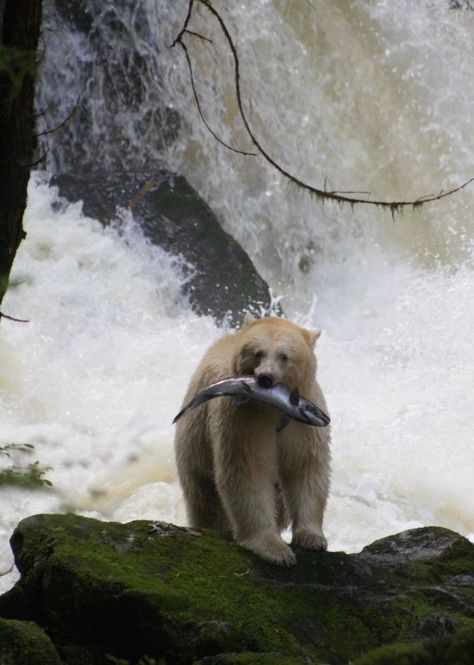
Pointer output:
x,y
265,380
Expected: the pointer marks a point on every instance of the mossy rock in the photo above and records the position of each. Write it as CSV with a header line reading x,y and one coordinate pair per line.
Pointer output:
x,y
250,659
24,643
129,591
457,649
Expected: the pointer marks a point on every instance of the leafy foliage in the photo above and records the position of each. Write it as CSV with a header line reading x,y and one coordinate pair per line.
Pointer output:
x,y
30,476
15,64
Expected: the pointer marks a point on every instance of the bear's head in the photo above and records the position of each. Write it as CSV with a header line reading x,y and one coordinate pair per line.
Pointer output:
x,y
276,351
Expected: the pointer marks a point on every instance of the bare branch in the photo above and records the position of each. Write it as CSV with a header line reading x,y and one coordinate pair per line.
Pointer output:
x,y
65,121
185,26
12,318
209,128
142,192
321,194
197,34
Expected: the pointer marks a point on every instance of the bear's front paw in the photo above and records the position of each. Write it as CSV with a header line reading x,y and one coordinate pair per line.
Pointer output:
x,y
310,539
271,548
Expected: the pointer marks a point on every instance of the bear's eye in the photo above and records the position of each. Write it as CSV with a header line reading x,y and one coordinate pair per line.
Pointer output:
x,y
283,357
259,355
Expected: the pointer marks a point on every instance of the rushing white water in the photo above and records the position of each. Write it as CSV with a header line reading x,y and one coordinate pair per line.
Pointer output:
x,y
374,96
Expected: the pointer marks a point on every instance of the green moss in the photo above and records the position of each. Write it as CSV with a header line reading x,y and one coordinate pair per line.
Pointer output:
x,y
130,591
457,649
396,654
15,65
24,643
250,659
167,594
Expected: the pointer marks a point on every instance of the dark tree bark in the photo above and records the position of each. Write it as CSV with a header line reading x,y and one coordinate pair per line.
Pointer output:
x,y
20,28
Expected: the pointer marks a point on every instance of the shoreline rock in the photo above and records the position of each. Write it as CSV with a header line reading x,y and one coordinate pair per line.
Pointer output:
x,y
138,590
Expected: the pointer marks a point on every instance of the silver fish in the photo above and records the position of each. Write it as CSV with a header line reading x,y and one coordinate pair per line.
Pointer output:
x,y
246,388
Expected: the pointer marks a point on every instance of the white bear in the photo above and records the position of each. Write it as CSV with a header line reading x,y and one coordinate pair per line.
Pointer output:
x,y
237,473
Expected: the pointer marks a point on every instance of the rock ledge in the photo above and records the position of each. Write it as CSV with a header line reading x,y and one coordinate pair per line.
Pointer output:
x,y
141,593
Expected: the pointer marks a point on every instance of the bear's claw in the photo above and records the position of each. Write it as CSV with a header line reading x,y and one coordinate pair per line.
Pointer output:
x,y
272,548
310,539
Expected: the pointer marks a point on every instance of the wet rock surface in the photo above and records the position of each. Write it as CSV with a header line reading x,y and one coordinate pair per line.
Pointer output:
x,y
153,590
100,91
218,276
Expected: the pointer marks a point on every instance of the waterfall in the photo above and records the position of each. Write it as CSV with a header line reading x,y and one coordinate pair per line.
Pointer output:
x,y
359,96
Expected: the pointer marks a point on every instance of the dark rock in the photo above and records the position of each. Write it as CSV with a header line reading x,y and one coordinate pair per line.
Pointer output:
x,y
218,276
100,89
436,625
462,4
24,643
463,580
165,592
415,545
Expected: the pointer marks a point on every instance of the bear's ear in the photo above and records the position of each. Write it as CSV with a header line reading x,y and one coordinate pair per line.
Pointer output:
x,y
248,320
312,336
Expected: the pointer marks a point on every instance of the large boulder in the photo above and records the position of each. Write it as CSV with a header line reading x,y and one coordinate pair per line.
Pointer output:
x,y
141,590
218,276
25,643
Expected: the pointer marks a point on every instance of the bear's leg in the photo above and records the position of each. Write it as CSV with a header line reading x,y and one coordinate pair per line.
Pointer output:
x,y
195,470
245,475
203,505
306,493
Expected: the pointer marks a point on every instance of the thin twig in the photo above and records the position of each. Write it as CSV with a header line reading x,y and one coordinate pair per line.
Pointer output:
x,y
12,318
197,34
198,104
184,28
65,121
39,160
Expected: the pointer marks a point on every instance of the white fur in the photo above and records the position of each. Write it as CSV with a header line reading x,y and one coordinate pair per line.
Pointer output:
x,y
238,474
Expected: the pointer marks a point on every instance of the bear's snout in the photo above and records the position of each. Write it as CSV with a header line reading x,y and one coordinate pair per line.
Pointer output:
x,y
265,380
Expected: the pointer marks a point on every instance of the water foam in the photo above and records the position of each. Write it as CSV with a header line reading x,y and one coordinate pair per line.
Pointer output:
x,y
95,378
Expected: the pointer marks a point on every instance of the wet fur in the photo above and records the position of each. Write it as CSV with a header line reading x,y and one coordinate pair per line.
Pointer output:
x,y
237,474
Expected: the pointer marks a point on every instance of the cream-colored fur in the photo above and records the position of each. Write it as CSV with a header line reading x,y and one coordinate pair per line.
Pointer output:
x,y
237,473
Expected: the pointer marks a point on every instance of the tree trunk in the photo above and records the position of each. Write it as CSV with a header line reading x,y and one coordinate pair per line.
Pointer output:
x,y
18,60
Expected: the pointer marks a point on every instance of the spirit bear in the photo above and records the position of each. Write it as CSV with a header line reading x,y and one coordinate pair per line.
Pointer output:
x,y
237,473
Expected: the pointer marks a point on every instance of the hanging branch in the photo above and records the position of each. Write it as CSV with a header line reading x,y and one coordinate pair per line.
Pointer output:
x,y
321,194
198,104
179,41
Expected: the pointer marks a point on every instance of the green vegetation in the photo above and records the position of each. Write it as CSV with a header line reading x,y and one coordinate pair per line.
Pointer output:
x,y
15,64
30,476
457,649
